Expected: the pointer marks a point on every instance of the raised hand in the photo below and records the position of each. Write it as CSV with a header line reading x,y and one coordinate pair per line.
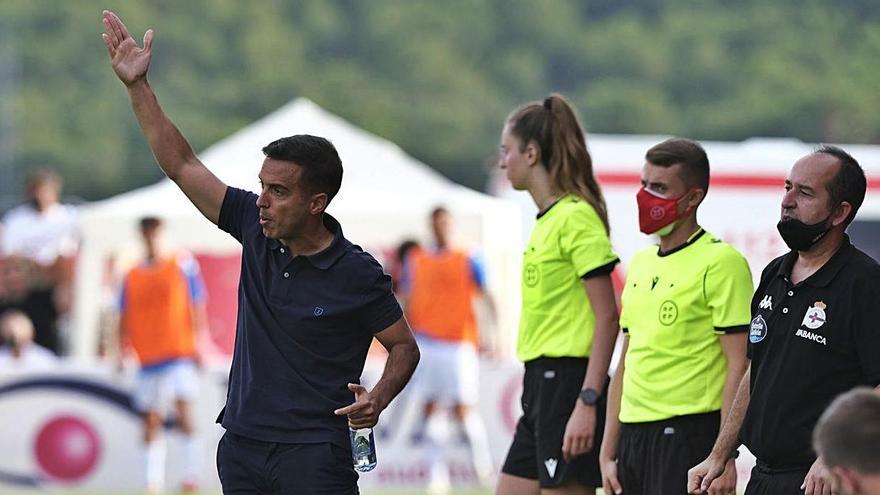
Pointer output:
x,y
130,62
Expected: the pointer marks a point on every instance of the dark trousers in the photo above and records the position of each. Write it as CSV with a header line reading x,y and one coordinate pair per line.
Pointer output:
x,y
248,466
766,481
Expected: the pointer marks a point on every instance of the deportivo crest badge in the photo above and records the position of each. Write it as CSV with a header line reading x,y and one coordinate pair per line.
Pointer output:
x,y
757,329
815,316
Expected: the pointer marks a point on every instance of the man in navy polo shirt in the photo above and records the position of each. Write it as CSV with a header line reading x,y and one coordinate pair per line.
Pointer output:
x,y
309,304
814,333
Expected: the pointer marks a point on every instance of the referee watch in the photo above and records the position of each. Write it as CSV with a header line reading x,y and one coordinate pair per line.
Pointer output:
x,y
589,396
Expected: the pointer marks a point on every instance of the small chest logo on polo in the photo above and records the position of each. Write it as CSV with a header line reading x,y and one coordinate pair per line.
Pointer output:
x,y
668,313
757,329
318,311
815,316
766,303
531,275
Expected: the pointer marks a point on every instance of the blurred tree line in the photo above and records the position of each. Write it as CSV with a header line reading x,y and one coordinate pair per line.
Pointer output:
x,y
438,78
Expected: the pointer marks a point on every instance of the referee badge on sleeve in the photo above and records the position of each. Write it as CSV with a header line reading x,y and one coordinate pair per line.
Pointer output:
x,y
757,329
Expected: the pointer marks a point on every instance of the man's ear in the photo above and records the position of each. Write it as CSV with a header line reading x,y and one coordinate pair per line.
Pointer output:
x,y
692,199
318,203
846,479
841,213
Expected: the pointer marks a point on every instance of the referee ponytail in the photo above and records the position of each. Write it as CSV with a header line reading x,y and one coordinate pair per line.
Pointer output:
x,y
555,130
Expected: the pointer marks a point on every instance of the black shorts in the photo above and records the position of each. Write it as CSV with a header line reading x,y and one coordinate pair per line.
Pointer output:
x,y
766,481
248,466
653,458
550,389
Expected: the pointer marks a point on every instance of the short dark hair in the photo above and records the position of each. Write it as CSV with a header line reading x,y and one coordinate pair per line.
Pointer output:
x,y
848,432
439,210
44,175
687,153
321,166
849,183
149,223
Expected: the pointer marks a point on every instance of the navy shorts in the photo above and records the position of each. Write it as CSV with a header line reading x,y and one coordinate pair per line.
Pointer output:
x,y
248,466
550,389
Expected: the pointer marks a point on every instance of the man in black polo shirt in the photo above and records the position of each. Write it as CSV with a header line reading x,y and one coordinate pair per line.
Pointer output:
x,y
814,332
310,303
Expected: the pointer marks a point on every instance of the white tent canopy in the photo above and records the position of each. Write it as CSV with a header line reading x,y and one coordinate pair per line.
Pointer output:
x,y
386,196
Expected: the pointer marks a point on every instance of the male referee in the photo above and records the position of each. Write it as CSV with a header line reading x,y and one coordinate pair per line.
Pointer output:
x,y
814,332
685,311
310,303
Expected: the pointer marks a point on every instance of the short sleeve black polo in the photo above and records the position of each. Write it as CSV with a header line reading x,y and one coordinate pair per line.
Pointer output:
x,y
809,343
303,330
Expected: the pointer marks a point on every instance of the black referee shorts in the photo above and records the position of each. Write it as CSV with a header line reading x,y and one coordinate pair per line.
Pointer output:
x,y
550,389
767,481
653,458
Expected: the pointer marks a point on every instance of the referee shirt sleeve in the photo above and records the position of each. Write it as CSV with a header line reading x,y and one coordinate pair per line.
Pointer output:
x,y
727,288
584,241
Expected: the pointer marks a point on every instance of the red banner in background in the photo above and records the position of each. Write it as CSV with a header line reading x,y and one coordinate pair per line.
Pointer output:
x,y
221,275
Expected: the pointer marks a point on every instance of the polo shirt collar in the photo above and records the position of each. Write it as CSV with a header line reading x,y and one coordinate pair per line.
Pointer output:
x,y
323,259
827,272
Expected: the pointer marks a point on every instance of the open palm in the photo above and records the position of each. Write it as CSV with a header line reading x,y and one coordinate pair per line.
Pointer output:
x,y
129,61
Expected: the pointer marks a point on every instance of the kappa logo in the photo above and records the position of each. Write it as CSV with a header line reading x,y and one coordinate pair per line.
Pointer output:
x,y
815,316
767,302
551,464
757,329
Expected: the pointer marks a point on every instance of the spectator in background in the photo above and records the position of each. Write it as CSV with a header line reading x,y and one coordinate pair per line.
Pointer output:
x,y
439,288
162,308
404,249
19,352
42,234
847,438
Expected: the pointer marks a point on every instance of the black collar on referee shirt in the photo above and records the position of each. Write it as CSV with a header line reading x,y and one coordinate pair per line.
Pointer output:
x,y
692,239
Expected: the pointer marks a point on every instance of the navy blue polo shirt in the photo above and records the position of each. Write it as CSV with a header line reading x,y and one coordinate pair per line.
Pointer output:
x,y
808,342
303,330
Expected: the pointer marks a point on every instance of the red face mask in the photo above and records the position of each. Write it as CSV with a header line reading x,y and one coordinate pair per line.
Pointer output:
x,y
657,212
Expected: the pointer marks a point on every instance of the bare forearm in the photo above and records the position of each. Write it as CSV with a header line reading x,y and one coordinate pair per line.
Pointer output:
x,y
612,414
170,148
402,361
731,386
600,357
728,438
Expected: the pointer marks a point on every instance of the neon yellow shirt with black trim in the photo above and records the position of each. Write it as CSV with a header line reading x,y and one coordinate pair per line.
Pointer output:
x,y
568,242
674,308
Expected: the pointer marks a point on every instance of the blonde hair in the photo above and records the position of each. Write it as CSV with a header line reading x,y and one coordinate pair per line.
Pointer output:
x,y
559,136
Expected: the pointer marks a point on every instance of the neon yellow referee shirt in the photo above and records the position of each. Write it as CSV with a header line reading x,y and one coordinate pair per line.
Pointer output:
x,y
569,243
675,305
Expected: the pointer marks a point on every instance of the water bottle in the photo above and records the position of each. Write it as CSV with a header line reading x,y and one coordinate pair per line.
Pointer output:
x,y
363,449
